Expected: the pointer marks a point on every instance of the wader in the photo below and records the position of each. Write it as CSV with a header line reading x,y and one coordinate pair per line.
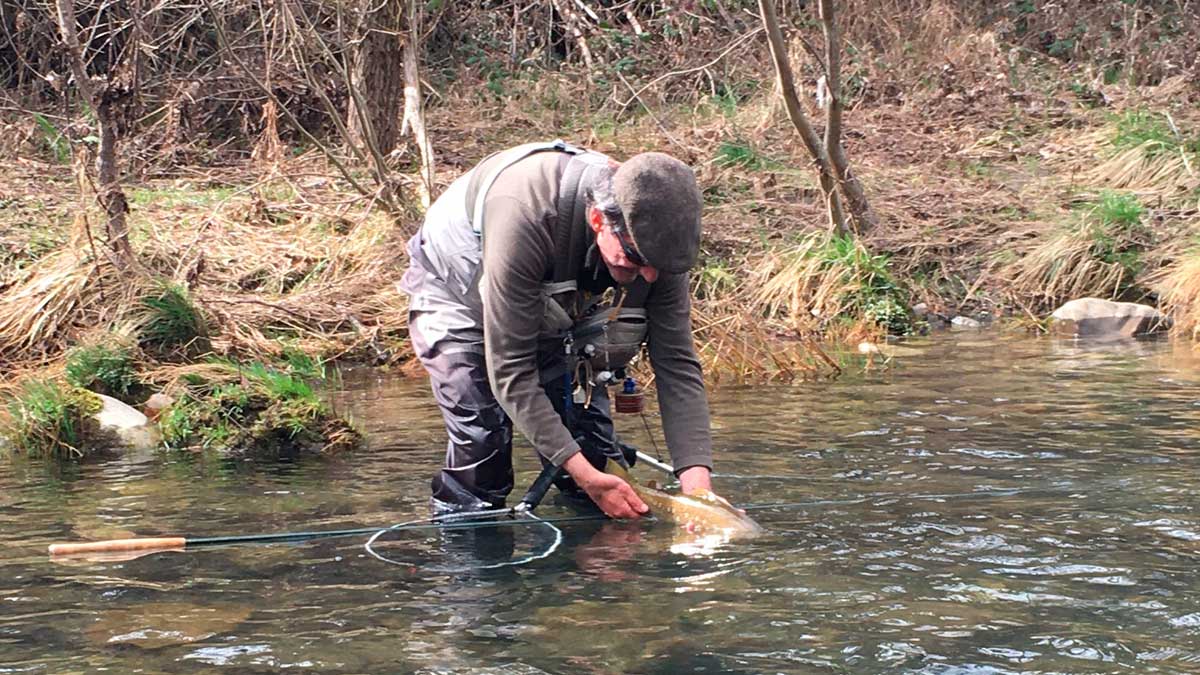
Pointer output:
x,y
446,335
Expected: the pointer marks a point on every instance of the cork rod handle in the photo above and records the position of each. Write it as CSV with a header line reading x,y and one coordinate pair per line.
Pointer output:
x,y
120,545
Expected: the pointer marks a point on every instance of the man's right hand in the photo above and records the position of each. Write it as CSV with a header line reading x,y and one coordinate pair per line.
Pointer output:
x,y
613,495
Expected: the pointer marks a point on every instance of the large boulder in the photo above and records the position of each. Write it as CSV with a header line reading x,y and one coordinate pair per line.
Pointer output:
x,y
126,425
1096,318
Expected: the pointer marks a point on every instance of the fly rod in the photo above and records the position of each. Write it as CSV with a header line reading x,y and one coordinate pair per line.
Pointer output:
x,y
468,519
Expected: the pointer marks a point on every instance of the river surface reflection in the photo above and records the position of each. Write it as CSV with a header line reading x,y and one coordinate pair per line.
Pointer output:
x,y
991,504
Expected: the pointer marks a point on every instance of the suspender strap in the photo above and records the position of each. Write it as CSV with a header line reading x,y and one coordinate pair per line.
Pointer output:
x,y
512,157
571,207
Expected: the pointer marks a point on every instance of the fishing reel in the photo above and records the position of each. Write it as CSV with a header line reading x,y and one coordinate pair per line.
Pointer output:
x,y
631,398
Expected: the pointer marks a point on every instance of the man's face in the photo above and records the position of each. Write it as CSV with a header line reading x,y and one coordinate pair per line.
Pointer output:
x,y
618,251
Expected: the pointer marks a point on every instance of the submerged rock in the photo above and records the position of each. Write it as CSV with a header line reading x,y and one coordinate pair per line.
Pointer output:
x,y
966,323
1097,318
126,425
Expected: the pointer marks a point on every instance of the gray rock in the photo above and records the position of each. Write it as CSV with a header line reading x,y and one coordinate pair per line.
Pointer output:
x,y
126,424
965,323
920,310
1097,318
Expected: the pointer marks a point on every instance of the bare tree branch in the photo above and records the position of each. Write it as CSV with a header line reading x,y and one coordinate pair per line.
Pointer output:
x,y
414,114
102,101
795,111
856,199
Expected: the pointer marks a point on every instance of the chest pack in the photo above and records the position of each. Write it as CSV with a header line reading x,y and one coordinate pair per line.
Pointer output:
x,y
599,337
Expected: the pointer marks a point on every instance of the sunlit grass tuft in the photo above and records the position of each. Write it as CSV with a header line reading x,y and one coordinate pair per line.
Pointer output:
x,y
742,155
1153,158
103,368
1098,253
1152,133
827,277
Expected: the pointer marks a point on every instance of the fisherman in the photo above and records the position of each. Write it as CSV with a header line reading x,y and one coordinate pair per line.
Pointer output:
x,y
533,281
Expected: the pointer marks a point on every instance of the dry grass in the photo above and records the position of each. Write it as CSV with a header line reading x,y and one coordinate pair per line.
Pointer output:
x,y
1148,172
282,263
1178,286
1063,268
798,283
736,347
62,295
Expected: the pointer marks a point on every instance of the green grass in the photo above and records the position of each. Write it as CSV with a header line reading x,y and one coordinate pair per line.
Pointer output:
x,y
1152,132
743,155
54,140
835,278
714,279
50,419
876,293
266,410
172,197
1119,223
172,321
104,369
1113,222
1118,209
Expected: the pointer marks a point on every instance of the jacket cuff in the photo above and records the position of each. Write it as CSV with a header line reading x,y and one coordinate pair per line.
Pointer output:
x,y
680,467
560,456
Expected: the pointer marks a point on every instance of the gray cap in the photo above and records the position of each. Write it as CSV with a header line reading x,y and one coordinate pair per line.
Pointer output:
x,y
661,202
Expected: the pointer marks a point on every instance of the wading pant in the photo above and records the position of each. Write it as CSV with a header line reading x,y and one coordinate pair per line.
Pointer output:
x,y
478,473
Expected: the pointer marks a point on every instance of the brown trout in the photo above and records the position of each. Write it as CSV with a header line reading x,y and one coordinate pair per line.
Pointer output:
x,y
701,512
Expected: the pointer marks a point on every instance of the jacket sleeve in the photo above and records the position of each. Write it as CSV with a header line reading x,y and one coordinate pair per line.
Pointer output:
x,y
516,252
677,374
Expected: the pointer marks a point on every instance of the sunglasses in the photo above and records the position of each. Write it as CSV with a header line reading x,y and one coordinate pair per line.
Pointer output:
x,y
631,253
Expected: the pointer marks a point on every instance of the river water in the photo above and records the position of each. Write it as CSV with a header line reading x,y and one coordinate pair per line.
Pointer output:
x,y
989,504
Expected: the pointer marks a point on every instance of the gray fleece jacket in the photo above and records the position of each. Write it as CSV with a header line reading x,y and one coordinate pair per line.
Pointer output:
x,y
486,295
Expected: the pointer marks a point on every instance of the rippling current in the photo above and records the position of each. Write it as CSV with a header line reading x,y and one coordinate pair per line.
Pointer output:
x,y
989,504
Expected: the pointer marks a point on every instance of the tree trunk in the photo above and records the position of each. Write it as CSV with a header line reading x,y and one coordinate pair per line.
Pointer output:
x,y
111,196
856,199
104,102
783,69
377,63
414,115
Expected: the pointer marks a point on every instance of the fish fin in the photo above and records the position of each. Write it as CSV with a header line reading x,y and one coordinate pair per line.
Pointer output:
x,y
617,470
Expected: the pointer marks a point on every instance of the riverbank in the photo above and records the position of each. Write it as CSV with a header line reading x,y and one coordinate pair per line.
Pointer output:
x,y
999,197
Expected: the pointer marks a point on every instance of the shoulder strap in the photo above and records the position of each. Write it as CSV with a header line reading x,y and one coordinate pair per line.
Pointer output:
x,y
511,157
571,206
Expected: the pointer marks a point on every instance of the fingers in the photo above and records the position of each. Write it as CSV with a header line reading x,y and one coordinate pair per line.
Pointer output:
x,y
622,502
634,501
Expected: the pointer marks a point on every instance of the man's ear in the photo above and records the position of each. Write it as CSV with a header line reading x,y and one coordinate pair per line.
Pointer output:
x,y
595,219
